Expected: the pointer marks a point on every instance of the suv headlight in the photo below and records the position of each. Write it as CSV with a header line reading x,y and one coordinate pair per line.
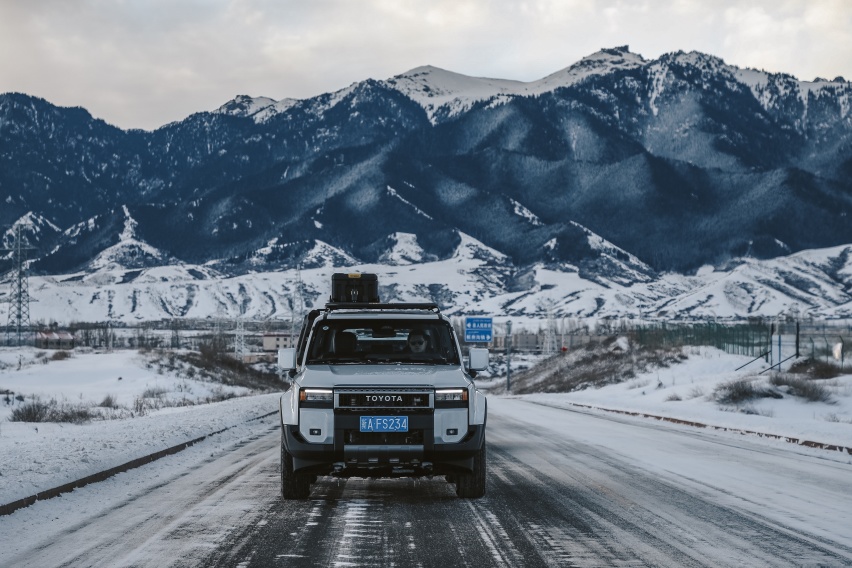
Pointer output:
x,y
316,398
451,398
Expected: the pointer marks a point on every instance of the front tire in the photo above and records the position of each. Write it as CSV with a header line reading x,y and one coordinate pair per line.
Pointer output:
x,y
472,485
293,485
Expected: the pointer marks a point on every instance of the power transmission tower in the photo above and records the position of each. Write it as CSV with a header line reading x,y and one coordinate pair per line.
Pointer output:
x,y
240,340
18,324
549,346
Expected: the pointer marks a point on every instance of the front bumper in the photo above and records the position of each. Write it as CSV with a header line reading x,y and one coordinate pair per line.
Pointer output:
x,y
383,460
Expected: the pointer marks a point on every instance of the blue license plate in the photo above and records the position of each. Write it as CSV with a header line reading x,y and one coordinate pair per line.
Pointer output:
x,y
384,423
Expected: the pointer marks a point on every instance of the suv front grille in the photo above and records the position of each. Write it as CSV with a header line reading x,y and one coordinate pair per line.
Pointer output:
x,y
365,399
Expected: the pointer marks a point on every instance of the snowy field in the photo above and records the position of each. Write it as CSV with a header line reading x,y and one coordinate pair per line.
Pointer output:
x,y
125,378
154,407
40,456
685,392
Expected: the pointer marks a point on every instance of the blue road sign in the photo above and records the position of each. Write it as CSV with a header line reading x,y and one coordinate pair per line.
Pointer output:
x,y
478,330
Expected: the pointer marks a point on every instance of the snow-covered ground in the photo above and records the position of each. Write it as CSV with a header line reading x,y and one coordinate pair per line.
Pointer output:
x,y
86,377
40,456
156,406
685,392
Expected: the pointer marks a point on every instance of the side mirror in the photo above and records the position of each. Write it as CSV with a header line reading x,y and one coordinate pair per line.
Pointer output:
x,y
478,359
287,359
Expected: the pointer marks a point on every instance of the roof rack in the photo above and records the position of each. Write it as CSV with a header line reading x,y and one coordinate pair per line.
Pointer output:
x,y
431,306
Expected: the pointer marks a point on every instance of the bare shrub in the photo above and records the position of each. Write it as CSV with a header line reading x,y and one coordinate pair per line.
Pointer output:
x,y
218,395
60,355
749,409
73,413
34,411
696,392
803,388
816,369
833,417
154,392
109,401
673,397
741,391
51,411
142,405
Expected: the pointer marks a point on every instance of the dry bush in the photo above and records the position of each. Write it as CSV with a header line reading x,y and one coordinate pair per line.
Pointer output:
x,y
109,401
60,355
802,387
51,411
154,392
696,392
815,369
741,391
34,411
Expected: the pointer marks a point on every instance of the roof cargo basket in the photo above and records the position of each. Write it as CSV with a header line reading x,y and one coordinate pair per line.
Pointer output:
x,y
429,306
354,288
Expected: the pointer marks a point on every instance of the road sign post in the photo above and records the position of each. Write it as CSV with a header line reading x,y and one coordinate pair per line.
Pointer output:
x,y
478,330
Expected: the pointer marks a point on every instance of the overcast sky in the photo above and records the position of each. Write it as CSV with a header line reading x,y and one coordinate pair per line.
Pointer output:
x,y
145,63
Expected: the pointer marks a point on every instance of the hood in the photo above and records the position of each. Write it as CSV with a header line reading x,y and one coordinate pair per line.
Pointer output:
x,y
431,376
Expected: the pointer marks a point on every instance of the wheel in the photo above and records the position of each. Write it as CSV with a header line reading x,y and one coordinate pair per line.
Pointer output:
x,y
293,485
472,485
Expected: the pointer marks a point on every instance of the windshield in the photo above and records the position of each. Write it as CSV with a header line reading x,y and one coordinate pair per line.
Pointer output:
x,y
383,341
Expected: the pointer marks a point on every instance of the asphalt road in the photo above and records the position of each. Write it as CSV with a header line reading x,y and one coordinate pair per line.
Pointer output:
x,y
565,488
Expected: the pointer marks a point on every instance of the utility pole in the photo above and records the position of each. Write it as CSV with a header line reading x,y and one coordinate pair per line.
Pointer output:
x,y
296,306
18,323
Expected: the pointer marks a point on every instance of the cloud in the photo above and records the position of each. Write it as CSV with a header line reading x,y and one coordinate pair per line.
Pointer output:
x,y
143,64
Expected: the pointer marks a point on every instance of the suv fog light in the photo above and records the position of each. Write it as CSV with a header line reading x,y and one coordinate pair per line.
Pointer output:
x,y
315,432
452,431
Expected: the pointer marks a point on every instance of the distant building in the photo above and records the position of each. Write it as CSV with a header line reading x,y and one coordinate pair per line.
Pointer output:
x,y
275,340
521,341
54,340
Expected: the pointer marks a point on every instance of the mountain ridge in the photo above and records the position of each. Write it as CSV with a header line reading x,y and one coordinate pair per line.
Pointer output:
x,y
676,163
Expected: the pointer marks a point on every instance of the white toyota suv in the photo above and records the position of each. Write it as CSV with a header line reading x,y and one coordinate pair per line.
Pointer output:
x,y
380,390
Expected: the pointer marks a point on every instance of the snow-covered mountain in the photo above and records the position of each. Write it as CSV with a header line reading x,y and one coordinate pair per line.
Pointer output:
x,y
614,180
474,280
444,94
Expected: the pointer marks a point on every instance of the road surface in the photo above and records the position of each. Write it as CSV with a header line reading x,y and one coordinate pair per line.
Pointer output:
x,y
565,488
